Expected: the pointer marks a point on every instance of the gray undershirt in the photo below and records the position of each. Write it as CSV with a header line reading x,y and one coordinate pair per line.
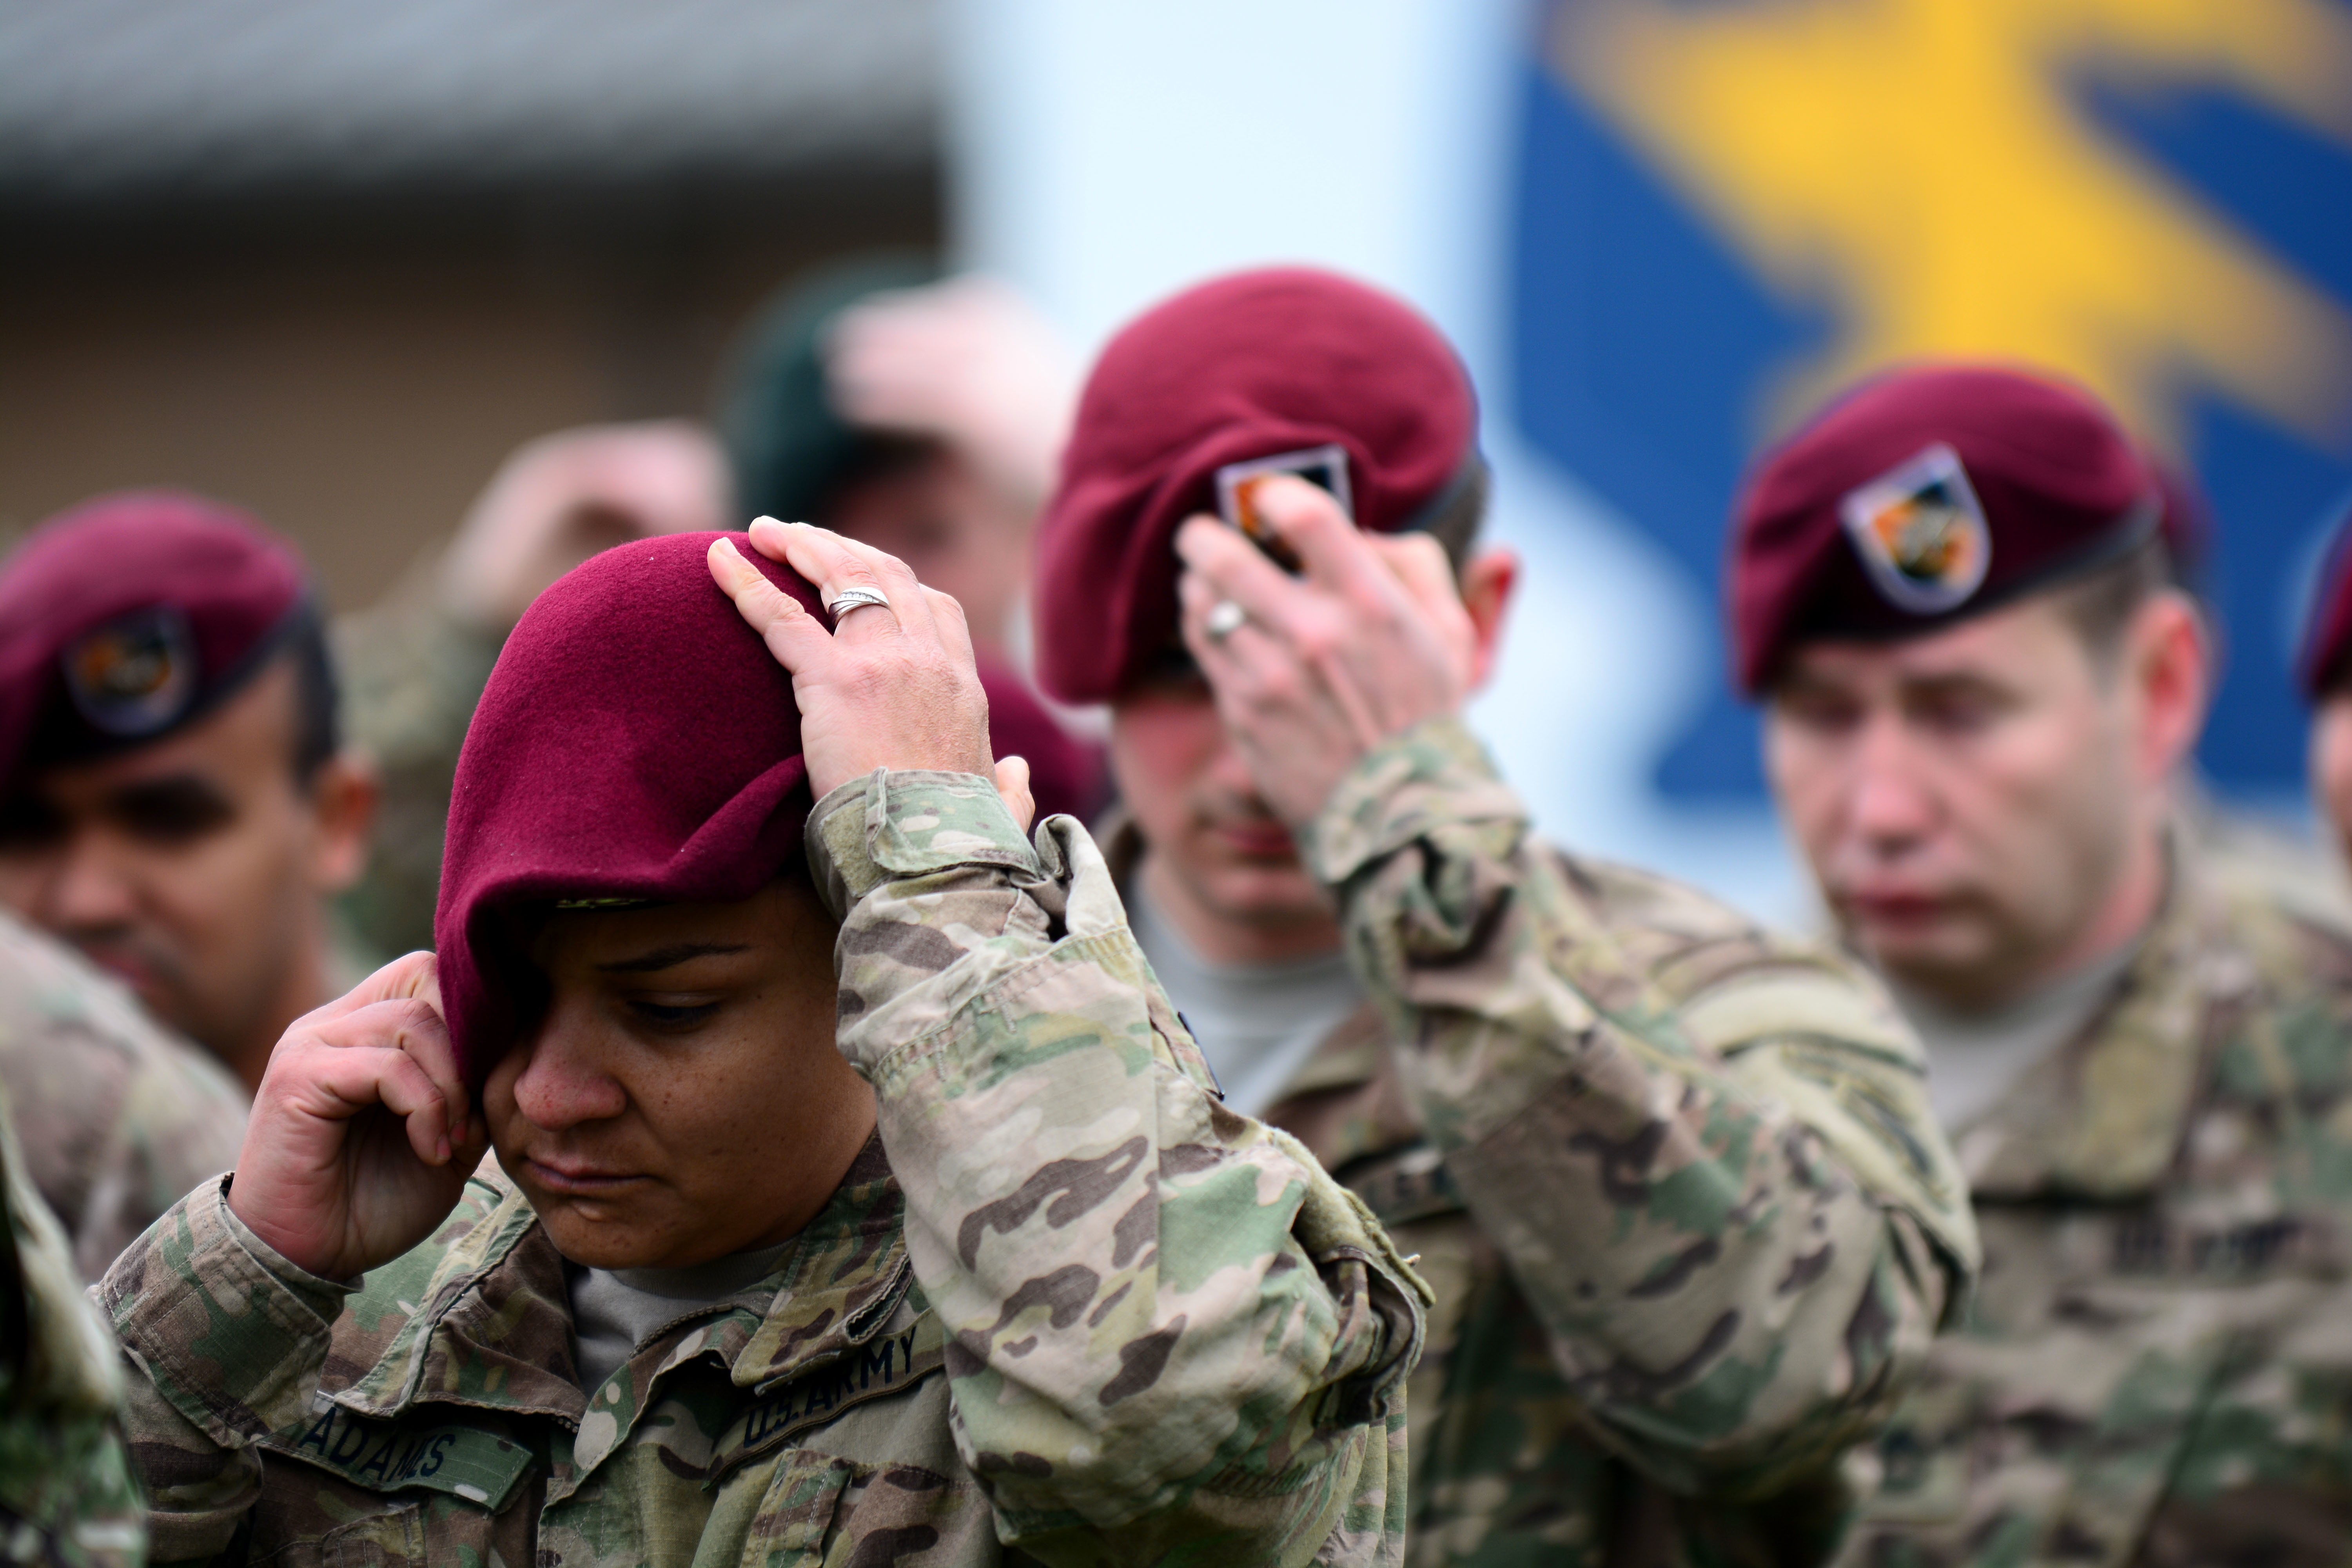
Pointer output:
x,y
1974,1058
616,1311
1256,1023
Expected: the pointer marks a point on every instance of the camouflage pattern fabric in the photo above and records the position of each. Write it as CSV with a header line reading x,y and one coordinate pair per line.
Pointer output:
x,y
117,1119
1671,1178
2158,1367
1065,1309
67,1494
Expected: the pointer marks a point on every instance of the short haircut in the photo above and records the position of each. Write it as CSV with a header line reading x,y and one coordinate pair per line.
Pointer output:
x,y
317,727
2100,604
1460,511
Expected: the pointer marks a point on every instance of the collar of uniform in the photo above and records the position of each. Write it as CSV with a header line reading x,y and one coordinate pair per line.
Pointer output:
x,y
494,1330
840,1282
2102,1117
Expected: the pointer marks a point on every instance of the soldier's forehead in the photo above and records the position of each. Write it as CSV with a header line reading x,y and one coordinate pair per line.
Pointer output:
x,y
2012,641
244,742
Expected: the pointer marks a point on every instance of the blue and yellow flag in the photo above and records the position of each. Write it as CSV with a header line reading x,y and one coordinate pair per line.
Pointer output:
x,y
1727,209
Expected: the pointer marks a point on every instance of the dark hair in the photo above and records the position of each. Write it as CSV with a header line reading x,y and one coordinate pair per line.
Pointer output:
x,y
2101,604
1460,511
318,729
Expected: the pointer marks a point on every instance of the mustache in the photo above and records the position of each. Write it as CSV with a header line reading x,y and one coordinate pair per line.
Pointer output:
x,y
126,945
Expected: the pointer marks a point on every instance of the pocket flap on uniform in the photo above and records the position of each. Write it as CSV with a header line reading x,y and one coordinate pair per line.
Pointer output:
x,y
392,1455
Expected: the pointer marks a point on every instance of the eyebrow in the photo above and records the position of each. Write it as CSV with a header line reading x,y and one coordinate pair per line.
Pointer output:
x,y
195,799
668,957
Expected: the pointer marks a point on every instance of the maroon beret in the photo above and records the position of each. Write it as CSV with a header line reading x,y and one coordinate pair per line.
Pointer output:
x,y
637,741
131,615
1252,365
1924,497
2324,659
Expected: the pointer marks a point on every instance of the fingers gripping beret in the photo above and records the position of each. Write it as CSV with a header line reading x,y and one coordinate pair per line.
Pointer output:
x,y
1248,366
636,741
132,615
1926,496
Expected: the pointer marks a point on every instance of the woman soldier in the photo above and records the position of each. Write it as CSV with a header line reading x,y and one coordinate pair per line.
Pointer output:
x,y
857,1196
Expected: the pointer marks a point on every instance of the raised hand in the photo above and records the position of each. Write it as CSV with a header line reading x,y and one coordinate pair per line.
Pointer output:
x,y
362,1133
891,685
1318,670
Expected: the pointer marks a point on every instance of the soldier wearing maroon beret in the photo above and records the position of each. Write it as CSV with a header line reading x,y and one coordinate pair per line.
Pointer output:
x,y
174,798
1952,592
1678,1270
859,1196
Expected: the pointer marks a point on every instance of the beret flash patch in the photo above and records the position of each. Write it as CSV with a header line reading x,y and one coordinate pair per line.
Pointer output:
x,y
1921,532
135,675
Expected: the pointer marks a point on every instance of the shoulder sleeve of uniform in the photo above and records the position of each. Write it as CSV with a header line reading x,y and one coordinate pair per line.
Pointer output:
x,y
228,1331
65,1479
1703,1149
1170,1330
1794,1020
118,1117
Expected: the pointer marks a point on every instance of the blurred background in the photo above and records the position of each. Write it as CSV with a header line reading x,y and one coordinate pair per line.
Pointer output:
x,y
335,261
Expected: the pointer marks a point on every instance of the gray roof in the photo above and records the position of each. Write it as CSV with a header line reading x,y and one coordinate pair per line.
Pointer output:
x,y
113,97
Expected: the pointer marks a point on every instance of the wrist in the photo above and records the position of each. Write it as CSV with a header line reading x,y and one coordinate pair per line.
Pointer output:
x,y
270,1247
1435,772
893,823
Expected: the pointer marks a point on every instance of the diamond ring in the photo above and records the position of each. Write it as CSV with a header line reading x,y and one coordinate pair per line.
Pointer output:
x,y
850,599
1223,619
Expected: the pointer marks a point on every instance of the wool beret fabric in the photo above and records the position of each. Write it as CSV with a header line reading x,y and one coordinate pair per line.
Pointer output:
x,y
637,741
2061,487
1251,365
132,615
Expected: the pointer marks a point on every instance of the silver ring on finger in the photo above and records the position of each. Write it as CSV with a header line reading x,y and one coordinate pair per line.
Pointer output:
x,y
850,599
1223,619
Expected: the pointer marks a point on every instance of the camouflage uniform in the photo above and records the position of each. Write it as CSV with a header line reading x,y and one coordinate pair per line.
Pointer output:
x,y
116,1119
1068,1303
66,1495
2158,1367
1671,1178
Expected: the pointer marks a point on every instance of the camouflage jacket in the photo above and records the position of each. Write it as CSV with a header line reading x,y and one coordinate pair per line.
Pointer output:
x,y
1070,1311
117,1119
1671,1178
66,1495
2158,1367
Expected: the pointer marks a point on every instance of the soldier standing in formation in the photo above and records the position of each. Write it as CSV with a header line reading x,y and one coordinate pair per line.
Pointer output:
x,y
1979,680
175,803
1670,1177
177,800
945,1254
